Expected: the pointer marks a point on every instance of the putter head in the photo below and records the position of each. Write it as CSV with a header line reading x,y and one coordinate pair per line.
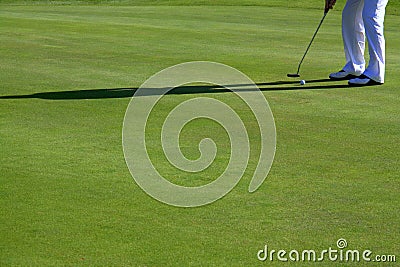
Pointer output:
x,y
293,75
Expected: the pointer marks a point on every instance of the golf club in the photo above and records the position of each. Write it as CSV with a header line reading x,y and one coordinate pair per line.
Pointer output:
x,y
292,75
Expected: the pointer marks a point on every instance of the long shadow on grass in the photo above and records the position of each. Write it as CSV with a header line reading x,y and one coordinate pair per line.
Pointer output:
x,y
195,89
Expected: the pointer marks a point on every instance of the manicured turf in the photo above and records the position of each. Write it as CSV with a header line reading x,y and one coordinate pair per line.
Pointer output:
x,y
66,195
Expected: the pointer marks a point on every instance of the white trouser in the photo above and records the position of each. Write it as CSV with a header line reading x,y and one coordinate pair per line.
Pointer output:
x,y
359,19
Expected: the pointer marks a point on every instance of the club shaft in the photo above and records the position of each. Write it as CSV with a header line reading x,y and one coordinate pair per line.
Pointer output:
x,y
312,39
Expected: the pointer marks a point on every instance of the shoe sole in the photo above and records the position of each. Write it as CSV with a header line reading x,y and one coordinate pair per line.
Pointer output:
x,y
370,83
348,77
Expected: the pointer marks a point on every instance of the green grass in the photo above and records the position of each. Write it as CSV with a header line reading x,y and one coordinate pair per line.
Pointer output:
x,y
66,195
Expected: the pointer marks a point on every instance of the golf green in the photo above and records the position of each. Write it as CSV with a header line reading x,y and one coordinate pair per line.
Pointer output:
x,y
68,70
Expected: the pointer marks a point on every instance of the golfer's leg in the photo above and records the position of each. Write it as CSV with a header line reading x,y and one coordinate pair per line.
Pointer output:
x,y
374,16
353,34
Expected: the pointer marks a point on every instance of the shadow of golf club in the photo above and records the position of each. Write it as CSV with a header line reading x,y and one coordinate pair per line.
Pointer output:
x,y
189,89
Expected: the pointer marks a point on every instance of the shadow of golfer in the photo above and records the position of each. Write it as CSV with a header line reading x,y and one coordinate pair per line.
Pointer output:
x,y
189,89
